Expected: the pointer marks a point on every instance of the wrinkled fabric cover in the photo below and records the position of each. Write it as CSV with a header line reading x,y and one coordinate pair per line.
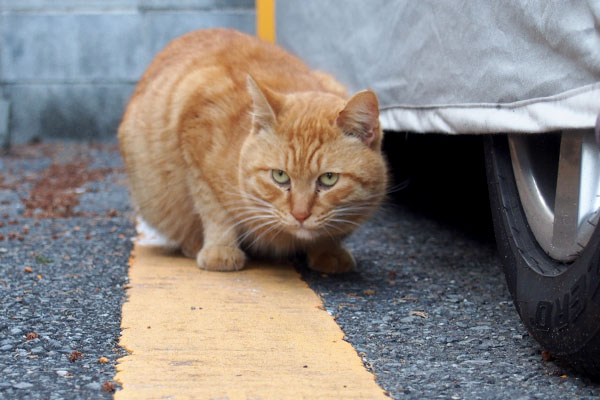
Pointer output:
x,y
470,66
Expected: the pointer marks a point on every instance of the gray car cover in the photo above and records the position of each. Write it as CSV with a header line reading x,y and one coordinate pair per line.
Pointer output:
x,y
460,66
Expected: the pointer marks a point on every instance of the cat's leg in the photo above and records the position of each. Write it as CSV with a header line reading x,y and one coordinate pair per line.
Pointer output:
x,y
193,241
331,258
220,251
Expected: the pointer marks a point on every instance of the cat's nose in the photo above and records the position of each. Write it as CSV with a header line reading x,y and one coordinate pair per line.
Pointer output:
x,y
301,215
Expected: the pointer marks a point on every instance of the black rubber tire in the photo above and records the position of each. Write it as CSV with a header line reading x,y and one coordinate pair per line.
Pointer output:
x,y
558,303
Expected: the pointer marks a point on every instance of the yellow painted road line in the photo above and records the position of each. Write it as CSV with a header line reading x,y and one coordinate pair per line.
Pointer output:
x,y
265,20
260,333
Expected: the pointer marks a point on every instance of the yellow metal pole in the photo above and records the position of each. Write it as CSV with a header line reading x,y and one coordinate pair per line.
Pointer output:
x,y
265,20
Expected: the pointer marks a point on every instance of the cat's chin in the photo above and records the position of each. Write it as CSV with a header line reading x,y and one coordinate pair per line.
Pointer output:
x,y
304,234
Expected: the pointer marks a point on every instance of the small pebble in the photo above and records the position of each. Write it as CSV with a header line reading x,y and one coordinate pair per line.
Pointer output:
x,y
22,385
15,331
92,386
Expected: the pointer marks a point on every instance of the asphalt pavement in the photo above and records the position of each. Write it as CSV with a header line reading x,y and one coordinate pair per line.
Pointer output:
x,y
427,308
64,249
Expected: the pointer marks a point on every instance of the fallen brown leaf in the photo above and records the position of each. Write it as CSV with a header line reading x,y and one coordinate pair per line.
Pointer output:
x,y
419,314
75,355
108,387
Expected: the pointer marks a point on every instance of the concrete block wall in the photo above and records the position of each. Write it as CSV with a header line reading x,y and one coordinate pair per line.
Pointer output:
x,y
68,67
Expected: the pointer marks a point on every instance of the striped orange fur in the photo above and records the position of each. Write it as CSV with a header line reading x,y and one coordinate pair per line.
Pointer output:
x,y
216,118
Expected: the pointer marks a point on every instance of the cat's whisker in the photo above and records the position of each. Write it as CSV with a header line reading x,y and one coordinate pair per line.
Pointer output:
x,y
254,229
326,228
358,208
253,242
252,211
355,209
371,200
330,225
253,217
238,204
260,201
344,221
258,244
350,213
377,195
357,204
398,187
262,234
251,197
278,232
247,207
243,210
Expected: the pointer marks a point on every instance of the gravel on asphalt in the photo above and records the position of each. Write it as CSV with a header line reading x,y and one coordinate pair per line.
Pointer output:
x,y
64,251
429,313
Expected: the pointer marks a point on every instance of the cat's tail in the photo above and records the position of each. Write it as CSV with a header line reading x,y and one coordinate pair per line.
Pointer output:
x,y
148,236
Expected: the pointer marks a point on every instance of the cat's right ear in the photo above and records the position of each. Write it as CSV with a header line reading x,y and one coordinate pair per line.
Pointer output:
x,y
265,105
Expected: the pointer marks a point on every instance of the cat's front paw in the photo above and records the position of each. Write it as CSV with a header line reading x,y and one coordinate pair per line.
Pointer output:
x,y
221,258
336,260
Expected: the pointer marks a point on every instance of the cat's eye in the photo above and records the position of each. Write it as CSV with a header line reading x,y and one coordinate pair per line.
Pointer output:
x,y
280,177
329,179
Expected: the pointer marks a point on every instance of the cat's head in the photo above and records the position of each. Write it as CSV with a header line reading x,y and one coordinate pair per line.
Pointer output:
x,y
312,166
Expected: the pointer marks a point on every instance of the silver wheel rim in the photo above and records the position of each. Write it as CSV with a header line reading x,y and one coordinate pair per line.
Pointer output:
x,y
558,180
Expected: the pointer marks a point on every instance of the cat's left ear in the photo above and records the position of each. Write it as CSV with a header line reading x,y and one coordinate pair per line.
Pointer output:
x,y
265,105
360,118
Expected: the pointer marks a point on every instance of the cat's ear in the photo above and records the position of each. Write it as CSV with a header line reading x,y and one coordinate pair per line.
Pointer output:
x,y
360,118
265,105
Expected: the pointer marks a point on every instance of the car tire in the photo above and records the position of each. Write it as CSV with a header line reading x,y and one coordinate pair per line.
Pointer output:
x,y
558,301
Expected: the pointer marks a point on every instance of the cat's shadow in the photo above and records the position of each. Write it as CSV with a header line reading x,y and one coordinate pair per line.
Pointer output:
x,y
296,262
253,263
299,263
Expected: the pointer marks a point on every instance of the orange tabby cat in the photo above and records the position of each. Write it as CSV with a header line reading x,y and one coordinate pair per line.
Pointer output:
x,y
231,143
